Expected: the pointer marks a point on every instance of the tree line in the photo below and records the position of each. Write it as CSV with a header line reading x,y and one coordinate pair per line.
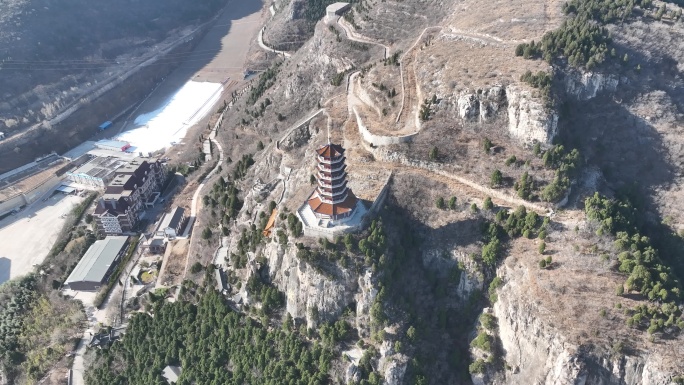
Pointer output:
x,y
646,272
582,39
213,345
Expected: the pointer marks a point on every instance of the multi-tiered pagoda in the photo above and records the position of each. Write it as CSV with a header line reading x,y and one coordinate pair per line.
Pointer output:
x,y
332,200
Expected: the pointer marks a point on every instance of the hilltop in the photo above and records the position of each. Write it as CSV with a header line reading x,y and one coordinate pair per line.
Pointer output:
x,y
459,110
522,164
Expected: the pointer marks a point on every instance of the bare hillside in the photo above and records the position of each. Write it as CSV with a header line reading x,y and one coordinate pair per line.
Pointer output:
x,y
476,130
56,53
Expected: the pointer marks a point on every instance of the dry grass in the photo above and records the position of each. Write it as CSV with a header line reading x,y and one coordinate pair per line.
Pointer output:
x,y
452,64
507,20
577,294
173,265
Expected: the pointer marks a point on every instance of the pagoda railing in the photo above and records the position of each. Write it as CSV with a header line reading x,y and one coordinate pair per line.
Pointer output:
x,y
339,167
331,160
340,183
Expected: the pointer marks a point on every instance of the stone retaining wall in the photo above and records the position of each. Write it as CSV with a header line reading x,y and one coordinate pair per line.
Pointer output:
x,y
380,140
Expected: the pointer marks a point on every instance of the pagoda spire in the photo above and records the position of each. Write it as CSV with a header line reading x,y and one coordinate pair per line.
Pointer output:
x,y
329,142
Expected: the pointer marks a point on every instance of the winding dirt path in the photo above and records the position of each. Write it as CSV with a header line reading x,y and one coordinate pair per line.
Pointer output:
x,y
263,45
410,91
193,222
431,170
352,35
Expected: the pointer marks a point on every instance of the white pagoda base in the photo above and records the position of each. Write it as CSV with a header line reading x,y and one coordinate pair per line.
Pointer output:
x,y
321,227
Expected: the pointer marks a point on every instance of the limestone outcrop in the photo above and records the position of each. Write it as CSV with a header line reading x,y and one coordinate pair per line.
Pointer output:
x,y
529,120
298,138
309,294
586,85
364,300
483,104
538,353
394,369
468,106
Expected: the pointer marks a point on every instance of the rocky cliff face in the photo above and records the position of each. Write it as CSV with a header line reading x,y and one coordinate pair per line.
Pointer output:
x,y
586,85
364,300
392,365
306,289
323,60
317,297
528,119
483,104
538,353
289,20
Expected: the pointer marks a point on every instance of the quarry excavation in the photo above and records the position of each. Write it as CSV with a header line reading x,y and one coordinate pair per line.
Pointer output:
x,y
321,192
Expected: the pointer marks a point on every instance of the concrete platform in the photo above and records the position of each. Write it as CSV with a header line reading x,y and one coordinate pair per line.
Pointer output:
x,y
29,235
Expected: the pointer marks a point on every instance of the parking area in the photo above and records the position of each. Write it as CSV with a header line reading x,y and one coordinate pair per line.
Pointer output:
x,y
27,237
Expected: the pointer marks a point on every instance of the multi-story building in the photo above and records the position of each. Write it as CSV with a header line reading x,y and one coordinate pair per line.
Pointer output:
x,y
332,200
135,187
115,217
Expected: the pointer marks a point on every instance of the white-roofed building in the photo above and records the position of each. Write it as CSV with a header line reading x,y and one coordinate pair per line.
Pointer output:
x,y
171,373
336,9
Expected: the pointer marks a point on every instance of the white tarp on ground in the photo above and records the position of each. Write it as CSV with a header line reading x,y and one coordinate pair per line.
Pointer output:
x,y
158,129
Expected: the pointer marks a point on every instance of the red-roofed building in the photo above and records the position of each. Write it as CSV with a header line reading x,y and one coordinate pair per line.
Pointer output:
x,y
332,199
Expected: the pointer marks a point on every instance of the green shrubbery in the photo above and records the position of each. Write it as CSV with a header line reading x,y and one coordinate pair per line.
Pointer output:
x,y
542,81
223,197
426,109
266,81
525,186
487,343
248,242
242,166
496,179
582,39
16,299
639,260
295,225
205,339
496,283
514,225
268,295
483,341
566,165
